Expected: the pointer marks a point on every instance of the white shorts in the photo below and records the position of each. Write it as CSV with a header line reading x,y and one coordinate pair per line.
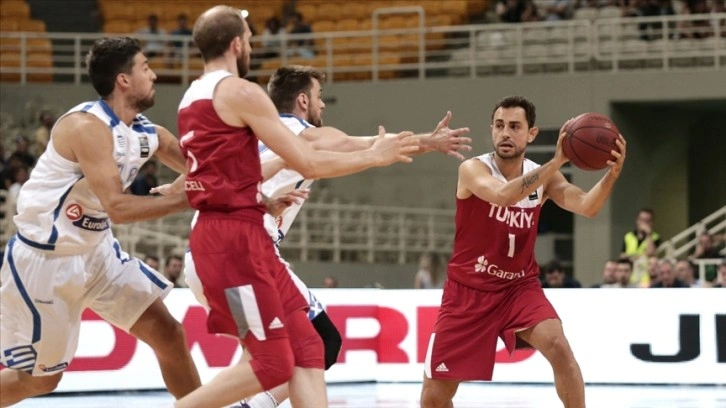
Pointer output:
x,y
43,295
192,280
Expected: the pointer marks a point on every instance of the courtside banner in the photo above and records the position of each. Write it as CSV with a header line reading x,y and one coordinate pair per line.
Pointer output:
x,y
637,336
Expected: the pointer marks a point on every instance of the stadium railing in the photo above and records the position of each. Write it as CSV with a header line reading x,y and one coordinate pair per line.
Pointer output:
x,y
660,43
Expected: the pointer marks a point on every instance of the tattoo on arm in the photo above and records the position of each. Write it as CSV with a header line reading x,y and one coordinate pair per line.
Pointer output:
x,y
529,180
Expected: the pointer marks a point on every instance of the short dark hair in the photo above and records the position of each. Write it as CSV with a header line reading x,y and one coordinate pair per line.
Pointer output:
x,y
521,102
553,265
214,32
647,211
109,57
288,82
626,260
172,257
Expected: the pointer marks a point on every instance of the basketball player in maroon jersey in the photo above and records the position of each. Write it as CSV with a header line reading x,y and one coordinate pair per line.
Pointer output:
x,y
249,291
492,289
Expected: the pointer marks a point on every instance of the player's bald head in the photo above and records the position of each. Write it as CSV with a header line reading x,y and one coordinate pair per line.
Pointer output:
x,y
215,29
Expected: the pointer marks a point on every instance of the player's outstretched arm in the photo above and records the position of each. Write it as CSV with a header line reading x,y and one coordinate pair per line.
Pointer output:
x,y
86,140
572,198
169,152
241,103
442,139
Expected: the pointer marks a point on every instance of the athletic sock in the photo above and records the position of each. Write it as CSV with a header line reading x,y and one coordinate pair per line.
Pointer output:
x,y
263,400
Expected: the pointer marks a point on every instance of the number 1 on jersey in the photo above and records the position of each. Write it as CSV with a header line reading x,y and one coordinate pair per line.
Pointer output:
x,y
511,246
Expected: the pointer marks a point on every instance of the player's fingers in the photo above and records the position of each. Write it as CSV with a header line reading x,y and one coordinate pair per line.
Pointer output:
x,y
405,134
405,159
445,121
456,154
381,131
464,141
460,131
409,149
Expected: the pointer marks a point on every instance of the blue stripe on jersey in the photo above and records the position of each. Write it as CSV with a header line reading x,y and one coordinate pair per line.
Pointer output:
x,y
117,248
24,293
261,148
151,276
54,232
45,247
289,115
111,115
88,107
137,127
300,183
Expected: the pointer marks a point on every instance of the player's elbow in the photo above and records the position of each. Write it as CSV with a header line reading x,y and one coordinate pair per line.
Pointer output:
x,y
308,169
590,212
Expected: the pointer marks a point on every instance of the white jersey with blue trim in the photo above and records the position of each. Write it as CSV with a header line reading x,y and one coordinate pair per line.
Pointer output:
x,y
57,211
283,182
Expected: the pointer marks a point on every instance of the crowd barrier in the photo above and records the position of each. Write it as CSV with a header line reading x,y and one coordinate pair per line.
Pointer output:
x,y
631,336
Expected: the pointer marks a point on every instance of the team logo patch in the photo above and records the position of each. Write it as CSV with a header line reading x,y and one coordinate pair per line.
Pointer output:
x,y
144,146
74,212
92,223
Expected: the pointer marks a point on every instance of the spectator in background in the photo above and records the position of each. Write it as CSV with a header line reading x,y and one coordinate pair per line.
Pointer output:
x,y
623,272
303,48
642,240
154,46
271,37
42,133
653,276
686,273
721,280
181,29
510,11
429,274
705,249
609,279
330,282
152,261
173,270
667,276
20,176
555,276
145,180
22,152
530,12
557,10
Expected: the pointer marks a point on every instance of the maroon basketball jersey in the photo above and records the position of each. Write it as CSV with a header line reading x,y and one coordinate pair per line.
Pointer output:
x,y
494,246
223,160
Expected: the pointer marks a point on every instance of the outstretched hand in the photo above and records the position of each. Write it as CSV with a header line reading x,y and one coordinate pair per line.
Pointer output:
x,y
277,204
447,140
394,148
167,189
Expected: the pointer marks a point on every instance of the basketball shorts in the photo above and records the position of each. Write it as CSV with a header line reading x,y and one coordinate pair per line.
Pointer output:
x,y
246,287
193,282
462,346
43,295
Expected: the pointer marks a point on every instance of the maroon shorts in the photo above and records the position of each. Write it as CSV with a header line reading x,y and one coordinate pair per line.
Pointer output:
x,y
463,344
248,289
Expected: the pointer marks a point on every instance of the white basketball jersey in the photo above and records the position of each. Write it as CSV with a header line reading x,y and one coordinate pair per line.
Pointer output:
x,y
57,211
533,199
284,181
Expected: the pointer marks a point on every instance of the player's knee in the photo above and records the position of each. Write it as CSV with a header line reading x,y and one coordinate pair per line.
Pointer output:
x,y
332,342
169,339
274,365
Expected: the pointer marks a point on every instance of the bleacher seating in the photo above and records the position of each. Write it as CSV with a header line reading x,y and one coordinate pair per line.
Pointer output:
x,y
15,16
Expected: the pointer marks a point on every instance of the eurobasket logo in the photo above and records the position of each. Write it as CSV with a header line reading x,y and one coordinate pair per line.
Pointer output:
x,y
74,212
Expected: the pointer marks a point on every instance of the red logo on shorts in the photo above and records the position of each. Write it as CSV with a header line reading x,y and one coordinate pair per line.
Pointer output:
x,y
74,212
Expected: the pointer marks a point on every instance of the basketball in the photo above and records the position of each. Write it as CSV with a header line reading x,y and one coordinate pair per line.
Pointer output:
x,y
589,139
